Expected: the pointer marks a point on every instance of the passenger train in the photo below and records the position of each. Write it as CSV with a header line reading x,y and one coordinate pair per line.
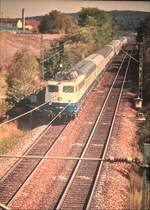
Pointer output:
x,y
69,90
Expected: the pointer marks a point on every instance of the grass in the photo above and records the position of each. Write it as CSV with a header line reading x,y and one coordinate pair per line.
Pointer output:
x,y
136,180
9,137
136,189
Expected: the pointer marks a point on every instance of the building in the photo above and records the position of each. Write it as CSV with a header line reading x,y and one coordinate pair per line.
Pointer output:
x,y
32,24
9,23
15,24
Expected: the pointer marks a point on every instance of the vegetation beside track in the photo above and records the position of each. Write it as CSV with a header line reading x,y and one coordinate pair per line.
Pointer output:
x,y
143,36
144,129
9,137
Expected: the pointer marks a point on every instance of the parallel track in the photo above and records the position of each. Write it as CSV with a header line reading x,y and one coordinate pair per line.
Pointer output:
x,y
12,181
19,173
80,188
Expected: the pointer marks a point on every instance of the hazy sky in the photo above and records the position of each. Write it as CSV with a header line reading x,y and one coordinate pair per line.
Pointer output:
x,y
12,8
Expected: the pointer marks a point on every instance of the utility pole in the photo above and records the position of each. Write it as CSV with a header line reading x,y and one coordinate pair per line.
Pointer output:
x,y
140,91
42,57
61,53
61,48
139,98
23,19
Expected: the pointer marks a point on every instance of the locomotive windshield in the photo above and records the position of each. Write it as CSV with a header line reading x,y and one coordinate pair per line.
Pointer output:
x,y
52,88
68,89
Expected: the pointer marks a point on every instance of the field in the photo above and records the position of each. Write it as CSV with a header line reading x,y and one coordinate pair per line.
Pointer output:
x,y
10,43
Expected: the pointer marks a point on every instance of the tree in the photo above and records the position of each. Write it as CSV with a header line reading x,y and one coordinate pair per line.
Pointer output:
x,y
147,26
57,22
98,24
45,24
55,60
24,76
140,32
70,24
97,16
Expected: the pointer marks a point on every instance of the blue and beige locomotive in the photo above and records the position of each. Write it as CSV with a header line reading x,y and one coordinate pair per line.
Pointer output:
x,y
69,90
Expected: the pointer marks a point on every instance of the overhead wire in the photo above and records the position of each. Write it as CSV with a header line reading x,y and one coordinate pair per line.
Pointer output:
x,y
110,159
51,56
60,49
32,110
129,55
21,115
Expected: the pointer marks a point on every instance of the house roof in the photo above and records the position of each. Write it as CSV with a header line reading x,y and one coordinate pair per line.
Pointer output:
x,y
9,20
32,22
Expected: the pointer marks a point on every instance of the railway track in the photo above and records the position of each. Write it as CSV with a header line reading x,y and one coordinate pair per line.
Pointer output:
x,y
79,190
16,176
20,172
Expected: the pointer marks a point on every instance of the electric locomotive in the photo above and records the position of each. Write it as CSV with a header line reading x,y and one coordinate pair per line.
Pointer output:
x,y
68,91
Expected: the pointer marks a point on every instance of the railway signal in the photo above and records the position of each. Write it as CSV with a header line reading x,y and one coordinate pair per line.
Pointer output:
x,y
139,98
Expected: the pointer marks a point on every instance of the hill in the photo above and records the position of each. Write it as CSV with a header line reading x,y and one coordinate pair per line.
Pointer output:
x,y
128,20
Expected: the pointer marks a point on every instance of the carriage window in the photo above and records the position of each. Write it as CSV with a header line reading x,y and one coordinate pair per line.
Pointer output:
x,y
68,89
52,88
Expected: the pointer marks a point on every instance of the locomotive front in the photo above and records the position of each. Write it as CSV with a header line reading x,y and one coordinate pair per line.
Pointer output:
x,y
60,98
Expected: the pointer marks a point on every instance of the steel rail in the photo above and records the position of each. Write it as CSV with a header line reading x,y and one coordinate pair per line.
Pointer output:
x,y
130,56
108,139
60,202
34,168
4,207
39,164
33,144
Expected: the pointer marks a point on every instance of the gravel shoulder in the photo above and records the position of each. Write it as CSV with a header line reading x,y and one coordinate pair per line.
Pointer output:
x,y
116,188
115,192
24,143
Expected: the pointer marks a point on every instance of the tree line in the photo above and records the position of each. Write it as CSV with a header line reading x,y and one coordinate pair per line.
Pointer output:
x,y
89,31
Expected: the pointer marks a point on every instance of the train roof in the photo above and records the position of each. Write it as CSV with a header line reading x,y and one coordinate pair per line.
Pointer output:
x,y
88,64
105,51
85,67
66,82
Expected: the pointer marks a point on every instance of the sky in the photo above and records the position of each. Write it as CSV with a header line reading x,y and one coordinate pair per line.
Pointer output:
x,y
12,8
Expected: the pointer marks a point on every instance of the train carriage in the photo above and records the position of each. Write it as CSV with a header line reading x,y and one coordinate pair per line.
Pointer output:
x,y
69,94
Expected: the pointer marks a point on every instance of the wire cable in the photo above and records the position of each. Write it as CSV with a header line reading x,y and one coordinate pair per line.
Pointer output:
x,y
110,159
21,115
129,55
51,56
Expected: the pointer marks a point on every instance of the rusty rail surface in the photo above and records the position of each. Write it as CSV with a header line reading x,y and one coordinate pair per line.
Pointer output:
x,y
12,181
